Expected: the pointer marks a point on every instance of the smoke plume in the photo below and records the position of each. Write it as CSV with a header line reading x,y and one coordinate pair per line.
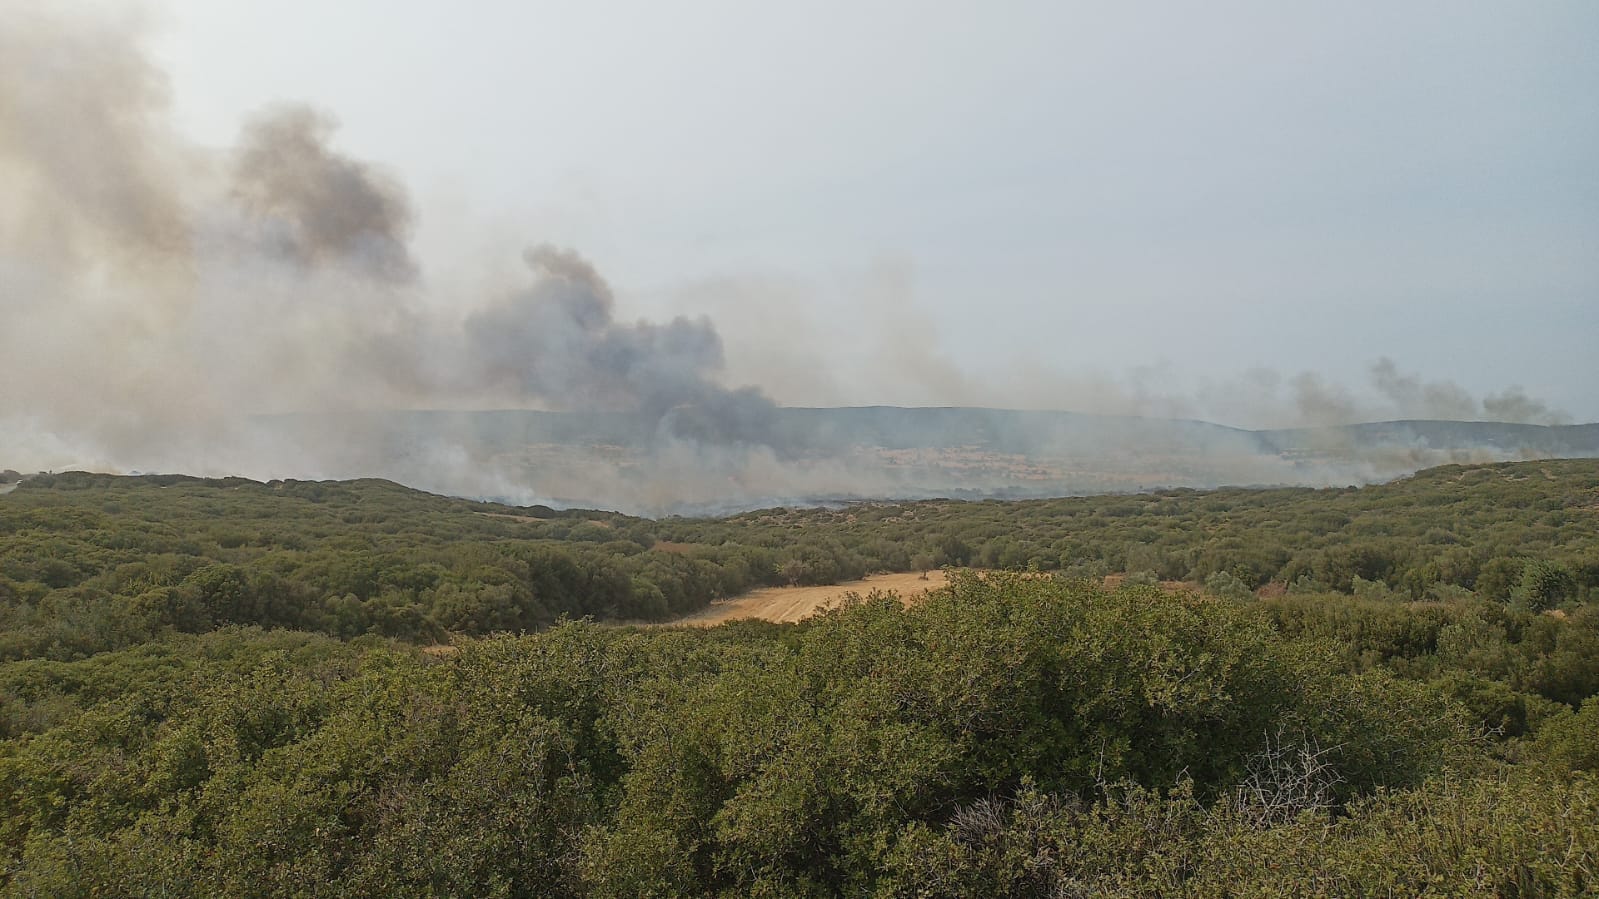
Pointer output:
x,y
558,343
161,294
259,309
310,206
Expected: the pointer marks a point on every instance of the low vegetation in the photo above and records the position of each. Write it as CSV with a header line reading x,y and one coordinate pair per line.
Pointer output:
x,y
1384,691
93,562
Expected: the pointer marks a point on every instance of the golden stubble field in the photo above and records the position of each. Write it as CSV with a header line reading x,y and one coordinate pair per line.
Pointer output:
x,y
790,604
784,604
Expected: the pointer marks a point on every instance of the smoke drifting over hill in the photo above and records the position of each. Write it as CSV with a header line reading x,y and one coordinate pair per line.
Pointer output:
x,y
558,343
168,305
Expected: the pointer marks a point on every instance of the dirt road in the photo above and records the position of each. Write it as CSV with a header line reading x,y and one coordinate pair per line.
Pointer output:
x,y
796,603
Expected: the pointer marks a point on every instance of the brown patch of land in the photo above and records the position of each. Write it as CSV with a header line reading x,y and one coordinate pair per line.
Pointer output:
x,y
787,604
667,546
527,518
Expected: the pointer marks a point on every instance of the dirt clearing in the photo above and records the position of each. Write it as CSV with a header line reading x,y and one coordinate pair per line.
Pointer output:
x,y
797,603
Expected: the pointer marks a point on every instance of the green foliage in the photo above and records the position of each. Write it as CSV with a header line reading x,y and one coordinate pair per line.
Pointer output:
x,y
1141,579
94,562
751,760
1569,741
1228,586
1020,734
1518,836
1544,585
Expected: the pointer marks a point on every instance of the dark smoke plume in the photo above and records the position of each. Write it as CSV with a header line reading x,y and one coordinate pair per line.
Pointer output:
x,y
162,296
558,343
259,310
312,205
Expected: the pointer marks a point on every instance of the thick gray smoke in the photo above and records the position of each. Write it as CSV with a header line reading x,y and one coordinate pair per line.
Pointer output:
x,y
311,205
259,310
558,343
159,296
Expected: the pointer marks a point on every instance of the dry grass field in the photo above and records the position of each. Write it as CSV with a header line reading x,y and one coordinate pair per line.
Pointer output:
x,y
797,603
789,604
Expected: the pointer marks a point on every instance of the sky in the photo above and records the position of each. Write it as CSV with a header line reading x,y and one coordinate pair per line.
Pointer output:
x,y
1027,193
1032,205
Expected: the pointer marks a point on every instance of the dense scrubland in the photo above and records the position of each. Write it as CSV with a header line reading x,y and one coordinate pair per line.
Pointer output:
x,y
228,688
95,562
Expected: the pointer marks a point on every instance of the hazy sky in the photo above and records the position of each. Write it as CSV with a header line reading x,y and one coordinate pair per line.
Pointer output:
x,y
999,203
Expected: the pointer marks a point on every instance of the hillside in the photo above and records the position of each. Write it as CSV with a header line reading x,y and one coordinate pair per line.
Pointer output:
x,y
92,562
693,461
226,687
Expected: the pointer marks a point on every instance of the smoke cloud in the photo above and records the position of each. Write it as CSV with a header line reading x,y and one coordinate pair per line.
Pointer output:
x,y
310,205
1310,401
1514,404
259,310
558,343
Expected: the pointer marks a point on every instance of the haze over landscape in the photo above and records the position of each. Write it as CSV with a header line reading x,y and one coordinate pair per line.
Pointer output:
x,y
204,271
930,449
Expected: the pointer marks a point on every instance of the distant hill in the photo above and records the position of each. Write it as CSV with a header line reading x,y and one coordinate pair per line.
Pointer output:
x,y
1532,441
1003,430
806,456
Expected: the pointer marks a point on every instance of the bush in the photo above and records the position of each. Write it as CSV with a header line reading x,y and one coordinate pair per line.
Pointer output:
x,y
1544,585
